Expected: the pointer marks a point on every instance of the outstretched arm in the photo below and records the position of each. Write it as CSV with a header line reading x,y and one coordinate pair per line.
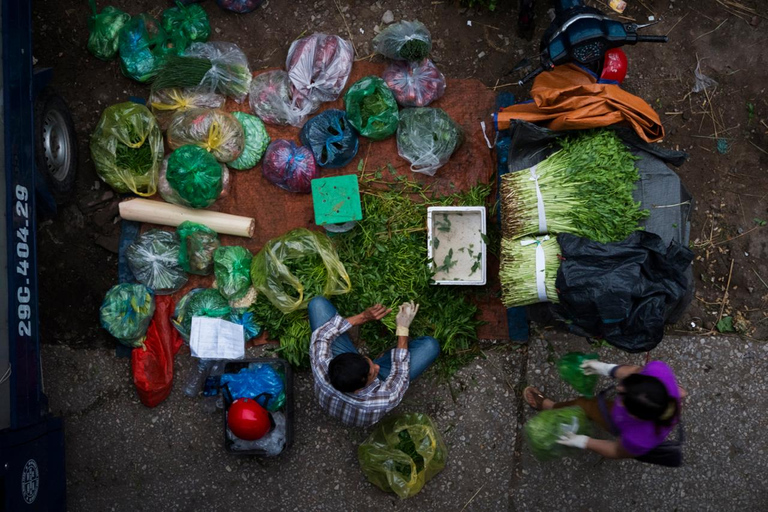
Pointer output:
x,y
375,312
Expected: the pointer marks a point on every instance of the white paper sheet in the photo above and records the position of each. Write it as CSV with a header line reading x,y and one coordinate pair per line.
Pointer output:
x,y
214,338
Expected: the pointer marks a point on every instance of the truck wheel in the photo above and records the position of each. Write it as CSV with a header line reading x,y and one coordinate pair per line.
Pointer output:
x,y
56,145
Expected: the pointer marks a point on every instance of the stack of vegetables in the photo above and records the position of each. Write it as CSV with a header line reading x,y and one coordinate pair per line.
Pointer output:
x,y
584,189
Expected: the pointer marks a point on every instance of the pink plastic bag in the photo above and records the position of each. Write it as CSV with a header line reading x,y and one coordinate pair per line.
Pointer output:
x,y
415,84
319,66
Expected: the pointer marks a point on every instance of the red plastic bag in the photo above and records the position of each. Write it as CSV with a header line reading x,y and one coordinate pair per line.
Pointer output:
x,y
153,364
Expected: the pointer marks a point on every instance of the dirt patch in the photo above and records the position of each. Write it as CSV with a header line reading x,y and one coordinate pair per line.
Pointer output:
x,y
76,261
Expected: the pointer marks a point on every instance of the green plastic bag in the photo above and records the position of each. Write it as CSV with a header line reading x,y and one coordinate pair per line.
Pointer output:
x,y
186,25
403,453
195,175
427,137
231,265
181,313
256,141
372,108
127,148
207,302
543,430
570,370
126,312
143,48
272,277
154,260
104,28
198,243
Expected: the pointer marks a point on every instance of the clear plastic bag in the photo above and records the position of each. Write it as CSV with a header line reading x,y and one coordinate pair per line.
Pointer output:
x,y
289,166
231,265
543,430
403,453
215,131
406,40
197,245
569,367
198,302
127,148
371,108
273,278
143,48
104,28
319,67
154,260
165,103
186,25
181,318
256,141
229,73
415,84
331,138
271,99
427,137
126,312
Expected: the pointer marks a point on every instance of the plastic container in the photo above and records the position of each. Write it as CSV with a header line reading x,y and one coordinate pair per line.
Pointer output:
x,y
456,243
278,364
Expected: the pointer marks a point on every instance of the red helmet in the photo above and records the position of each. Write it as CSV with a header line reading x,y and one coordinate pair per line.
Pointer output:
x,y
248,420
614,65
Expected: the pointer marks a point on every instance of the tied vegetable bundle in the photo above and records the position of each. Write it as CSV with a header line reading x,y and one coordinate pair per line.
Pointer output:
x,y
584,189
528,271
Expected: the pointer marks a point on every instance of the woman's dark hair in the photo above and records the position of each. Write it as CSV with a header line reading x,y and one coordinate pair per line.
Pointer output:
x,y
646,398
348,372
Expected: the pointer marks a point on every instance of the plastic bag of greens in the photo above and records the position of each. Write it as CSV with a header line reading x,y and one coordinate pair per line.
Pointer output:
x,y
197,245
181,318
543,430
170,194
427,138
569,367
406,40
195,175
206,302
319,67
331,138
403,453
127,148
258,381
272,100
231,265
239,6
272,269
104,28
143,48
154,260
289,166
371,108
415,84
256,141
188,24
126,312
229,73
241,316
215,131
165,103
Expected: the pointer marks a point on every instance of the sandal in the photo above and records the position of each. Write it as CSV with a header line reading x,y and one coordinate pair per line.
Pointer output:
x,y
534,397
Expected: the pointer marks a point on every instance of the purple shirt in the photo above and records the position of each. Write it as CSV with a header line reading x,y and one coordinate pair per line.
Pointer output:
x,y
638,437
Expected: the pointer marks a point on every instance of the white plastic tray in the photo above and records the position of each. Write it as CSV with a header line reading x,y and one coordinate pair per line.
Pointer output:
x,y
456,244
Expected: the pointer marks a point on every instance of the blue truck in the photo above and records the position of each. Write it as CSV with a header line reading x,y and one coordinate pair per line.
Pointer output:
x,y
39,153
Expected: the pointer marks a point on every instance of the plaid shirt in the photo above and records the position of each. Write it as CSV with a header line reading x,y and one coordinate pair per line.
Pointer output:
x,y
365,406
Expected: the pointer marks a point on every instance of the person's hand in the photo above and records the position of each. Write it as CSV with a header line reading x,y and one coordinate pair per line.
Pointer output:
x,y
405,316
593,367
574,440
375,312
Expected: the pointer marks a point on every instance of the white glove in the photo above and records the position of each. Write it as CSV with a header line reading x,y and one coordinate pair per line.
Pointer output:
x,y
592,367
575,440
405,316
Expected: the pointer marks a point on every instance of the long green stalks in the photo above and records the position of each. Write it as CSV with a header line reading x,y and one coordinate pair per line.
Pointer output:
x,y
518,270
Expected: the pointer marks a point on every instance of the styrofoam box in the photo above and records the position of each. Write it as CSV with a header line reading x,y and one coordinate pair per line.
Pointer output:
x,y
456,244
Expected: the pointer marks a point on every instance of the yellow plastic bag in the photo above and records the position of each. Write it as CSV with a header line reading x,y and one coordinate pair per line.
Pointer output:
x,y
403,454
271,275
215,131
165,103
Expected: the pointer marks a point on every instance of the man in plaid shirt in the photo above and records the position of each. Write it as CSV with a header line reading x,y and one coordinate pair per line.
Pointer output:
x,y
353,388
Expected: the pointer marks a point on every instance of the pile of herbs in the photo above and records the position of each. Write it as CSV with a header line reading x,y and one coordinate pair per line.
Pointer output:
x,y
385,256
408,447
136,160
586,189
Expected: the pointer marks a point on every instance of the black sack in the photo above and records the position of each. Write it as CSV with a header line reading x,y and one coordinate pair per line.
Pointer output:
x,y
622,292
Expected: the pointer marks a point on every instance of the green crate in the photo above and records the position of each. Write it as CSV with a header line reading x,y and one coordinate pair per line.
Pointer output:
x,y
336,200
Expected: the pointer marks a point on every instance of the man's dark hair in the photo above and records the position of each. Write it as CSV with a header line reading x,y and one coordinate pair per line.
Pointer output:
x,y
348,372
645,397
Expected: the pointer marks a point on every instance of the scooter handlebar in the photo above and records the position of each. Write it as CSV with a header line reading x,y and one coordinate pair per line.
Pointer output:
x,y
652,39
530,76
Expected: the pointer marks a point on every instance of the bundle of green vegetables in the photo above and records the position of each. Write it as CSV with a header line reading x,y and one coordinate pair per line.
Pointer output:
x,y
585,189
524,280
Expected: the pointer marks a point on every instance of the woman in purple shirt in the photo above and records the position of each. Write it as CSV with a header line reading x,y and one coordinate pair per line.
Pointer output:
x,y
646,409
